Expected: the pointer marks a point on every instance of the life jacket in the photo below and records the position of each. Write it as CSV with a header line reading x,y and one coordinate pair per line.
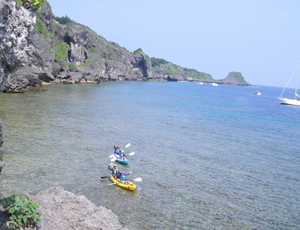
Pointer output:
x,y
123,178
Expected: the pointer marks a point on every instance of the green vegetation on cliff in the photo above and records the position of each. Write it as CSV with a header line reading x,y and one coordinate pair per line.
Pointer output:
x,y
85,64
158,61
41,27
65,20
60,52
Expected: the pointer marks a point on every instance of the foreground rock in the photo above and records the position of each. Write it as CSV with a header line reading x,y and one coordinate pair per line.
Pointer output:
x,y
62,210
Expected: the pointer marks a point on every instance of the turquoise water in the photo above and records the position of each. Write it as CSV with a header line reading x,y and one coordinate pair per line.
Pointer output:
x,y
210,157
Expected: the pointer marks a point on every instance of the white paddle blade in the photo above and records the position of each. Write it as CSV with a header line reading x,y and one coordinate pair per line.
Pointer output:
x,y
138,179
112,184
112,160
127,145
111,156
131,154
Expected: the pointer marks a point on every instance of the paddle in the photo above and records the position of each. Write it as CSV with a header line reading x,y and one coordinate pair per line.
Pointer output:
x,y
137,180
127,145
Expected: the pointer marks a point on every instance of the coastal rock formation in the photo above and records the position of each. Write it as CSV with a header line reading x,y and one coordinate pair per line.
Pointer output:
x,y
234,78
14,27
73,53
63,210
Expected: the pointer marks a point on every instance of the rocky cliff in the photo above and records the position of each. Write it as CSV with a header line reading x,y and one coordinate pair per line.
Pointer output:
x,y
73,53
14,28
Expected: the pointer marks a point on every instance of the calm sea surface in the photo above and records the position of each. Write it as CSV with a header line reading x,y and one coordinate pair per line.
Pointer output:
x,y
210,157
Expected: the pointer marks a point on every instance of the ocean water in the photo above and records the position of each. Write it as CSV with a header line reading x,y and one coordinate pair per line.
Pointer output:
x,y
210,157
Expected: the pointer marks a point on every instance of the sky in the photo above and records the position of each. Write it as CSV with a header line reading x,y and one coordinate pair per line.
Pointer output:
x,y
259,38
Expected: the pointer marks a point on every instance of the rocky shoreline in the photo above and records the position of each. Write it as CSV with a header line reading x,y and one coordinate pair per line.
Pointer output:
x,y
59,209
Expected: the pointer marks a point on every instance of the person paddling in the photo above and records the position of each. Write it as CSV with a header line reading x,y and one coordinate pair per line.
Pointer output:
x,y
115,171
123,178
122,155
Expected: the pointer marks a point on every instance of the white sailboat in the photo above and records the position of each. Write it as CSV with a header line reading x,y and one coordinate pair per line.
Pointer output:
x,y
296,100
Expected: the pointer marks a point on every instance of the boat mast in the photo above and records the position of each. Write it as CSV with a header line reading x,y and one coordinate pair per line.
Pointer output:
x,y
290,79
296,95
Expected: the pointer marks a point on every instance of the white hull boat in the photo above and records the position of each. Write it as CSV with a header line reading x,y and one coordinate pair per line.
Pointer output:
x,y
296,100
286,101
214,84
257,93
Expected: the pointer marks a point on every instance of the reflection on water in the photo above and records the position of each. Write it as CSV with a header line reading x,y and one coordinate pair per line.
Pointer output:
x,y
209,158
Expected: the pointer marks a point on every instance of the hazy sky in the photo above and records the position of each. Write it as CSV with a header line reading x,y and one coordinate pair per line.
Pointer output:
x,y
259,38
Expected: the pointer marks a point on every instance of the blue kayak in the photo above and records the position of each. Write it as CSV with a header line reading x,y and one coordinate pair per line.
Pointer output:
x,y
125,162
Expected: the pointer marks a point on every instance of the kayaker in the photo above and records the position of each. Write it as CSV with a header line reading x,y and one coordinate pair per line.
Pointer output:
x,y
115,171
117,151
122,155
123,178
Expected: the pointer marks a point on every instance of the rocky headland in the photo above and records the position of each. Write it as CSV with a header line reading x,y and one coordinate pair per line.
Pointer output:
x,y
69,52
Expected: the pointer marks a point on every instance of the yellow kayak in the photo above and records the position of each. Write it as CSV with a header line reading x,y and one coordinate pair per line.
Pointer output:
x,y
121,184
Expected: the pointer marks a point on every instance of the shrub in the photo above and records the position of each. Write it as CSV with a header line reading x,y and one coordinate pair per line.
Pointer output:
x,y
65,20
23,211
93,49
29,4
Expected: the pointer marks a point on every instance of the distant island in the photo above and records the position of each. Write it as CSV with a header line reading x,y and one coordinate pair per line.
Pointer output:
x,y
68,52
